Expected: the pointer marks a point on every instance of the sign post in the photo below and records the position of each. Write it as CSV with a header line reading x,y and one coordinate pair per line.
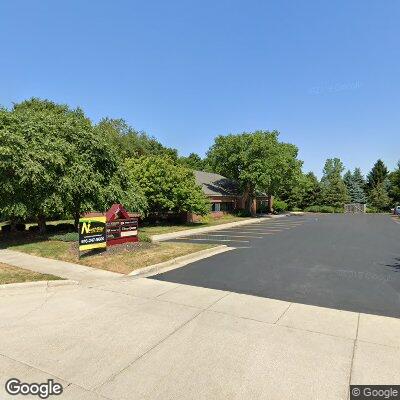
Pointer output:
x,y
92,233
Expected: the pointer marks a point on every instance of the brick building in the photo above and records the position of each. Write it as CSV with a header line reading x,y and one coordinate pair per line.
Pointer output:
x,y
225,195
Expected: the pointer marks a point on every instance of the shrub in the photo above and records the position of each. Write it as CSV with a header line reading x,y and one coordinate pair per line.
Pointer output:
x,y
20,227
66,237
321,209
33,228
143,237
64,227
280,206
243,213
6,228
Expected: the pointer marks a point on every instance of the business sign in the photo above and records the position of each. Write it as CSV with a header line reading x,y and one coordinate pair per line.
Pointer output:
x,y
92,233
122,230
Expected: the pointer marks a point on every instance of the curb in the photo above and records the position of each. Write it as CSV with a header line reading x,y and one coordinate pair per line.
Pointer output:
x,y
189,232
23,285
179,262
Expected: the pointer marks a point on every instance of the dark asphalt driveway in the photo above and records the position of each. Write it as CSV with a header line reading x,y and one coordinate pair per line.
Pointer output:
x,y
348,262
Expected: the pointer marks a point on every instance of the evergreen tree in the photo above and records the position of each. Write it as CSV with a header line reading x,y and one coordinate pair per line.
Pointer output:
x,y
378,175
394,178
334,190
359,178
354,183
379,198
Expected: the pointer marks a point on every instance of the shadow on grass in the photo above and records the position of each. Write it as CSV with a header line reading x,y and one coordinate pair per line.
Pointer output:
x,y
10,240
93,252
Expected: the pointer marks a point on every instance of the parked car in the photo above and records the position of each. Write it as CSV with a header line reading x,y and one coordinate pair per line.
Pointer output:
x,y
396,210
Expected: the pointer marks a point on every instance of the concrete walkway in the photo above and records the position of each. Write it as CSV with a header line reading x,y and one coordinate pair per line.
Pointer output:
x,y
130,338
54,267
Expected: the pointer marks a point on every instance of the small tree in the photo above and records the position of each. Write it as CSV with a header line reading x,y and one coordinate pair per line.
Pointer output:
x,y
167,186
379,198
354,183
334,191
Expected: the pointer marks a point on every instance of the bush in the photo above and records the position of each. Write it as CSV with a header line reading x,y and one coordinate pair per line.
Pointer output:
x,y
6,228
64,227
322,209
280,206
33,228
243,213
66,237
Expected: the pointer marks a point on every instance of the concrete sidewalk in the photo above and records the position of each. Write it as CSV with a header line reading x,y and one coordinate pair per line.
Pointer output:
x,y
146,339
195,231
54,267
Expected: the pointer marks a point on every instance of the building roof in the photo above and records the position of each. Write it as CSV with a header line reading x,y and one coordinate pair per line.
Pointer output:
x,y
216,185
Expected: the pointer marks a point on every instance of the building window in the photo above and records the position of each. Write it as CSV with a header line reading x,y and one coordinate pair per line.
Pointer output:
x,y
227,206
216,207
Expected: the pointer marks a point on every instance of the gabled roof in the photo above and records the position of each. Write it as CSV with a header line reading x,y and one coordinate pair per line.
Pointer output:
x,y
216,185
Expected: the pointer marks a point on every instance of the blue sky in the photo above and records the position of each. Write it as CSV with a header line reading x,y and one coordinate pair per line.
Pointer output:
x,y
326,74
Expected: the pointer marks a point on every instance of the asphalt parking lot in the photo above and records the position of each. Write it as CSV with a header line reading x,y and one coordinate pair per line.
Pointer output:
x,y
347,262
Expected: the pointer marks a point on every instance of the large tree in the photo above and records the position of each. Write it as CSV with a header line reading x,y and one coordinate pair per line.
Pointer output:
x,y
167,185
394,178
258,161
355,183
378,175
193,161
334,191
133,143
379,198
378,186
54,162
311,191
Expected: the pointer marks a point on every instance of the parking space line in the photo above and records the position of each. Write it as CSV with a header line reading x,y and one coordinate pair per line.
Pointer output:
x,y
227,235
258,233
213,240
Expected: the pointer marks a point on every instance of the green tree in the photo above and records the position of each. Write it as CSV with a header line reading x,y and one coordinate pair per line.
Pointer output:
x,y
193,161
379,198
394,178
334,191
167,186
312,191
257,161
54,162
131,143
359,178
378,175
355,183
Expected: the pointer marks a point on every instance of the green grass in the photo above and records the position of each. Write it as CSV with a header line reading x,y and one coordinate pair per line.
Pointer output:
x,y
64,246
11,274
124,261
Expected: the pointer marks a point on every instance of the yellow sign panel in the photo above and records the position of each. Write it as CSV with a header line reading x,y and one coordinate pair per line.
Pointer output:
x,y
92,233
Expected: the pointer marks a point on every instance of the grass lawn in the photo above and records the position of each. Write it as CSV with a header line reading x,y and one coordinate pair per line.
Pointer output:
x,y
123,260
10,274
205,221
